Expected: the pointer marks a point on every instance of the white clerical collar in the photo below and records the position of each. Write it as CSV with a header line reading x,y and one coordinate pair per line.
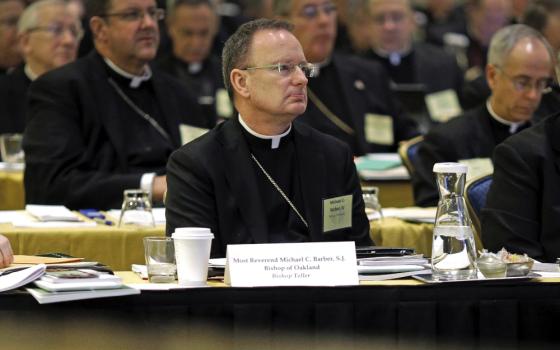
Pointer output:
x,y
29,73
275,139
195,67
513,126
394,57
321,65
135,80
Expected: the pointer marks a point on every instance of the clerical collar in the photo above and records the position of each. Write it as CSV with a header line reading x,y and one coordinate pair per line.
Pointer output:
x,y
321,65
29,73
513,126
135,80
275,139
195,67
394,57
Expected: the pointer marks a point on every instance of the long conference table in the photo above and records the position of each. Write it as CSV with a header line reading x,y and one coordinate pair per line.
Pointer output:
x,y
387,315
121,247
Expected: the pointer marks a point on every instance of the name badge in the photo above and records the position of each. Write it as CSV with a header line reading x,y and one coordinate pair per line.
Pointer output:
x,y
379,129
291,264
443,105
224,108
477,167
337,213
189,133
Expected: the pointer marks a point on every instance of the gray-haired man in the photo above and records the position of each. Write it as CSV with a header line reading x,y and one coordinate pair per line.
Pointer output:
x,y
519,69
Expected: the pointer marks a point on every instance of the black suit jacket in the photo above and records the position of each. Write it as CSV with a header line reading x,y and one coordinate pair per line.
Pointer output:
x,y
74,149
366,89
465,137
13,93
211,183
430,65
522,210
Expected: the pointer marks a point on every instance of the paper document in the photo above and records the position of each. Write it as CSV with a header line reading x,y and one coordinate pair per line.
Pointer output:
x,y
381,166
51,213
20,278
158,213
416,214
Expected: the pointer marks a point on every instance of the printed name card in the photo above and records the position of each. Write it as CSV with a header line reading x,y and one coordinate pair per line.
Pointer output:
x,y
291,264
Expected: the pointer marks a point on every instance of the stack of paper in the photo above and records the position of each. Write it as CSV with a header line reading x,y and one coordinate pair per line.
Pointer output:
x,y
391,267
45,216
12,280
381,166
413,214
66,285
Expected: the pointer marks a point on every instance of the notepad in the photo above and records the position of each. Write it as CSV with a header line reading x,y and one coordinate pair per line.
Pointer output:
x,y
51,213
377,163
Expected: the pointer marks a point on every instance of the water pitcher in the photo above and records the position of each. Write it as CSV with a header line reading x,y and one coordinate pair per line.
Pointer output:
x,y
453,249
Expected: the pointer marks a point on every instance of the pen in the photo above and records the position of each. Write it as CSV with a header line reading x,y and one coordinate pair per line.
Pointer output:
x,y
103,221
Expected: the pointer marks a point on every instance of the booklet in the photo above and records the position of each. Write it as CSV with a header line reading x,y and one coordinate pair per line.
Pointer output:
x,y
46,297
12,280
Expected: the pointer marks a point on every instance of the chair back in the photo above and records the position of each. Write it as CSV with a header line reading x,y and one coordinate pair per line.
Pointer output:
x,y
408,151
476,191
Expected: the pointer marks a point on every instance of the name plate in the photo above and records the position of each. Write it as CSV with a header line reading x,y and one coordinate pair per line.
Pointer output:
x,y
291,264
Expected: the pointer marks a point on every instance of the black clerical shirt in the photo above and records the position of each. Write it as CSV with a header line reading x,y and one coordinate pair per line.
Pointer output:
x,y
146,149
327,88
284,225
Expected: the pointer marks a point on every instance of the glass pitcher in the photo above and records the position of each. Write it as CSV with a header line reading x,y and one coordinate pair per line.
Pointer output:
x,y
371,202
453,249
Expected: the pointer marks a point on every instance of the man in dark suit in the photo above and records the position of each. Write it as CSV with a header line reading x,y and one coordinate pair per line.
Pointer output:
x,y
192,27
522,210
407,62
106,122
10,57
520,65
260,178
350,98
48,35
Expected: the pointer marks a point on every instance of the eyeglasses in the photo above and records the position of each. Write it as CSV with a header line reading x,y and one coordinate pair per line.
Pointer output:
x,y
395,17
57,30
526,84
285,69
10,22
137,15
312,11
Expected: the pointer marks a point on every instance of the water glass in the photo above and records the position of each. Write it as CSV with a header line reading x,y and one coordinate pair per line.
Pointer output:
x,y
371,202
160,259
10,148
136,209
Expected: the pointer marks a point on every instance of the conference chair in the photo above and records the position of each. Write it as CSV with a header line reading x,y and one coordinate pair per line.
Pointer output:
x,y
476,191
408,151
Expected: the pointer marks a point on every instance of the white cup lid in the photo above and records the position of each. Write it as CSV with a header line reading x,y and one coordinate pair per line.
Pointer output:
x,y
192,232
450,168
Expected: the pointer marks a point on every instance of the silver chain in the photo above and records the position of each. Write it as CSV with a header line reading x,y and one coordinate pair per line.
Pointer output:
x,y
140,112
280,190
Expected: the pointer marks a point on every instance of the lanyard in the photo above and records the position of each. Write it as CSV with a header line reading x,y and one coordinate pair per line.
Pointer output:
x,y
280,191
140,112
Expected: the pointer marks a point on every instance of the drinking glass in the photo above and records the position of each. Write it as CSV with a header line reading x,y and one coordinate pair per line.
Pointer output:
x,y
136,209
10,148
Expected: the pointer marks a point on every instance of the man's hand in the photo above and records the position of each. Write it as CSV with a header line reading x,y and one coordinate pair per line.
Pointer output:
x,y
6,255
159,187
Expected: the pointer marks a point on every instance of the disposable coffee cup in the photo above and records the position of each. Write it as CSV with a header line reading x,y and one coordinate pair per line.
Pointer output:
x,y
192,251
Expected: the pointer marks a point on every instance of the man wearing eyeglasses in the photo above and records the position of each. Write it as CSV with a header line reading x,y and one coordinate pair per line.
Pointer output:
x,y
519,69
48,36
10,57
350,98
106,122
259,177
192,27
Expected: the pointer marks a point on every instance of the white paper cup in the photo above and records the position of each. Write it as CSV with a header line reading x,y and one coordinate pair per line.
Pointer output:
x,y
192,251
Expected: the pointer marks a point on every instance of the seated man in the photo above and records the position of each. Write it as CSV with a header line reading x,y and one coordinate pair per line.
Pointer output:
x,y
192,26
407,62
259,177
6,255
49,35
106,122
350,98
10,57
522,210
520,65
